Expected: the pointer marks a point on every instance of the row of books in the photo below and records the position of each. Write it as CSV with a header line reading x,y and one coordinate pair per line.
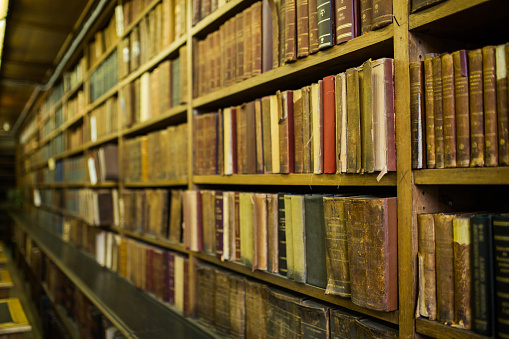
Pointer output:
x,y
102,164
75,105
462,270
56,93
238,307
54,147
346,245
59,116
70,170
101,121
160,155
459,109
47,128
202,8
104,77
153,93
342,124
74,137
97,207
75,76
103,41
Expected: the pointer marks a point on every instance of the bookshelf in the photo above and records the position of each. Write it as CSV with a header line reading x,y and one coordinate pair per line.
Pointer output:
x,y
444,27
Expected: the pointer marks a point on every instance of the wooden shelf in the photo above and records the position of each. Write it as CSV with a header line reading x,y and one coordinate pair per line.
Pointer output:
x,y
304,71
100,60
157,183
152,240
463,176
214,19
101,140
438,330
69,324
106,184
298,179
177,113
140,16
315,292
97,102
70,153
73,90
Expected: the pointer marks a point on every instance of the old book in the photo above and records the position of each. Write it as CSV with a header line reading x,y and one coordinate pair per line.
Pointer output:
x,y
183,84
272,233
329,125
372,224
313,26
250,137
462,272
444,267
222,302
367,118
205,282
306,130
286,134
483,282
500,236
237,306
417,115
259,136
179,284
315,234
266,136
283,319
314,319
353,122
341,122
260,213
302,28
429,110
342,323
145,97
168,20
256,312
218,217
502,60
298,131
366,15
438,109
276,32
367,328
476,101
176,82
490,106
461,103
418,5
316,128
449,111
326,29
426,263
382,13
275,102
299,238
228,144
290,31
347,20
290,266
227,225
246,229
282,245
336,247
267,41
247,33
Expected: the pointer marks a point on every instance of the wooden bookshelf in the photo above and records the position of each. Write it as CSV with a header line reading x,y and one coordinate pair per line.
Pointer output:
x,y
437,330
157,183
463,176
177,113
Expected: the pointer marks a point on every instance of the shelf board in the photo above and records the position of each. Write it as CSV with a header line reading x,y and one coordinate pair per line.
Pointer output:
x,y
140,16
437,330
97,102
152,240
106,184
158,121
377,43
157,183
463,176
315,292
101,140
298,179
73,90
100,60
70,153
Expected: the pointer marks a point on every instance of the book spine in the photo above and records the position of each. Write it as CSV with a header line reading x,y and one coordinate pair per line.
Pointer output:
x,y
366,104
302,28
266,48
448,111
266,135
462,272
417,115
347,22
502,52
460,61
444,267
281,234
326,31
256,32
382,13
427,280
429,112
476,102
366,15
329,125
357,234
219,225
500,253
313,26
353,120
490,107
290,40
438,109
298,131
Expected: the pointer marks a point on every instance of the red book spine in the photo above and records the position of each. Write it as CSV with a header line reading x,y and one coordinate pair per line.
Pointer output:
x,y
329,125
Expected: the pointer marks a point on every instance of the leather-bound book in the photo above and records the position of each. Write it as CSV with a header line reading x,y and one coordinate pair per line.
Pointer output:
x,y
247,32
426,264
449,110
242,127
266,135
347,20
228,144
353,121
290,31
240,37
205,283
237,297
275,106
366,105
438,109
227,225
289,237
462,106
316,268
298,131
302,28
462,272
313,26
417,115
502,61
256,32
314,319
256,312
329,125
418,5
429,110
326,29
179,283
483,282
341,122
286,135
282,253
316,128
283,320
164,81
444,256
259,136
500,252
217,196
272,233
306,130
476,101
250,137
336,247
276,32
267,41
175,219
366,15
108,162
168,19
205,8
222,302
260,210
246,229
367,328
382,13
490,106
342,323
299,238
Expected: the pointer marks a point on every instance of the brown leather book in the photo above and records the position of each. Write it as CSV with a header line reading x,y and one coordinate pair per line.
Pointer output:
x,y
449,111
219,146
302,28
366,15
342,323
314,316
426,264
347,20
237,306
336,246
298,130
306,130
247,32
164,81
353,121
260,225
476,101
256,34
283,319
135,49
267,41
490,106
367,328
329,125
439,112
272,233
290,32
250,138
367,119
286,135
313,26
266,144
341,122
502,55
209,223
175,218
259,136
417,115
462,273
222,302
275,34
205,283
382,13
234,43
241,118
168,20
256,312
460,60
444,267
241,39
429,110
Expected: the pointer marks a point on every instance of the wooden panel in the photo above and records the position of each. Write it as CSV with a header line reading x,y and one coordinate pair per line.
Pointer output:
x,y
438,330
463,176
159,183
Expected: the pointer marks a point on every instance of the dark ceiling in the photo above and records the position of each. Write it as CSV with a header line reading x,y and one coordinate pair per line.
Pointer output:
x,y
37,34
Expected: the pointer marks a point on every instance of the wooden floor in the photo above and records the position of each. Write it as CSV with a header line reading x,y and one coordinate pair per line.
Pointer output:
x,y
21,290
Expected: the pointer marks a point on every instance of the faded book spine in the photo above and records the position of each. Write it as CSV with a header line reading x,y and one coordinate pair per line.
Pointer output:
x,y
490,107
460,60
448,111
475,91
417,115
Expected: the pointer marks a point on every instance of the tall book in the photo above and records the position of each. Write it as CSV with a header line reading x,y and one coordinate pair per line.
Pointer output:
x,y
306,130
259,135
272,233
283,319
267,41
353,122
460,61
500,252
237,297
444,267
347,20
290,31
260,210
246,229
282,253
438,109
429,110
417,115
490,106
313,26
329,125
449,111
367,118
299,238
222,302
316,128
326,31
275,103
366,15
316,268
302,28
298,131
462,272
342,323
426,264
266,135
286,134
217,197
205,282
341,122
256,312
502,60
476,103
289,237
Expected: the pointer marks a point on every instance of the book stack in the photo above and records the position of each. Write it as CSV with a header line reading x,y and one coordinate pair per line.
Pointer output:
x,y
459,109
75,76
202,8
342,124
103,41
59,116
75,106
307,238
104,77
101,121
75,137
462,275
102,164
74,169
95,207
